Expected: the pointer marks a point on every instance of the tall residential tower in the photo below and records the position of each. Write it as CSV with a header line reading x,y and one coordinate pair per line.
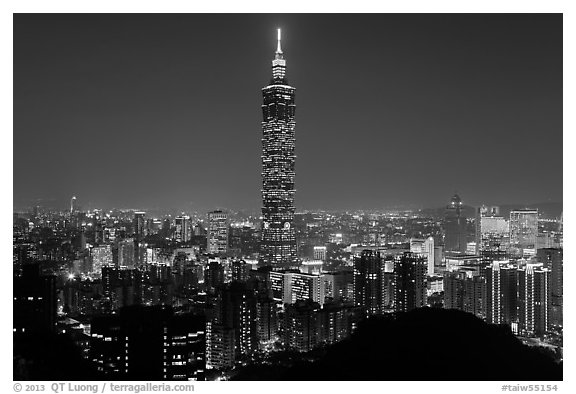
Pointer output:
x,y
278,245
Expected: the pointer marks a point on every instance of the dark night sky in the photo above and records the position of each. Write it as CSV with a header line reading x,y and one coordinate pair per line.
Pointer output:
x,y
164,110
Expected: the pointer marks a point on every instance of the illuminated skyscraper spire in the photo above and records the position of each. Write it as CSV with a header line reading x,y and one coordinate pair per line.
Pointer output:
x,y
278,246
279,49
279,64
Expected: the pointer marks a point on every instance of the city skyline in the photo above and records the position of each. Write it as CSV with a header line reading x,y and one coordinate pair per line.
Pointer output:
x,y
135,93
218,294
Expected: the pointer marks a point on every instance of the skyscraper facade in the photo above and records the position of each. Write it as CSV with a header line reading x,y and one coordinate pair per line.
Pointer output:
x,y
455,226
139,234
217,232
139,226
101,256
492,233
424,247
182,233
278,244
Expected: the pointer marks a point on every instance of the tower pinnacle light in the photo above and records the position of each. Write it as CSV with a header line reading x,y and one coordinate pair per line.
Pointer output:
x,y
279,49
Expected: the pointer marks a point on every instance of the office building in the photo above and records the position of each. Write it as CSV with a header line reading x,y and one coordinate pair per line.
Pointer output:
x,y
101,257
278,245
126,253
492,233
217,232
182,232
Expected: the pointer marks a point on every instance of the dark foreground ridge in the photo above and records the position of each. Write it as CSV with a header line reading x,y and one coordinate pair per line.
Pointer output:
x,y
424,344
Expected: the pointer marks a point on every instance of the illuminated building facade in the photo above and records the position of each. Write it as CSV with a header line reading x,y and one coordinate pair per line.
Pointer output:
x,y
369,282
303,326
220,349
425,247
139,225
320,253
533,299
278,243
409,282
182,233
465,291
126,253
492,233
501,293
291,287
101,256
523,232
217,232
234,313
139,234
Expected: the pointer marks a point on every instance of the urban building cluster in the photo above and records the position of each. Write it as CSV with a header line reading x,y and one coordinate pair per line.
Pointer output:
x,y
195,296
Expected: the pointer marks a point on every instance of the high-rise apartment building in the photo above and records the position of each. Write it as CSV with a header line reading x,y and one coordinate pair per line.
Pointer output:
x,y
234,311
533,299
501,293
465,291
290,287
409,282
424,247
552,259
369,282
278,245
149,343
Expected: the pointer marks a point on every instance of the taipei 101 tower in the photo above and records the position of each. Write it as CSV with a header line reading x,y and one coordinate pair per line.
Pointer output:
x,y
278,243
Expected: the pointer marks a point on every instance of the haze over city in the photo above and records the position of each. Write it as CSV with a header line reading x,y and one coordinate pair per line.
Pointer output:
x,y
147,111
